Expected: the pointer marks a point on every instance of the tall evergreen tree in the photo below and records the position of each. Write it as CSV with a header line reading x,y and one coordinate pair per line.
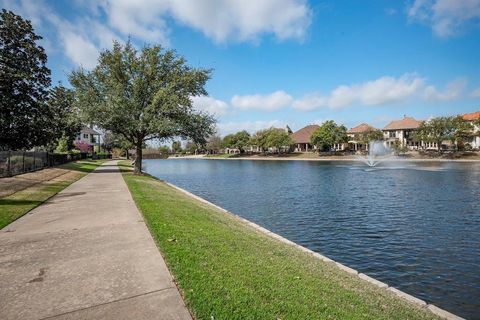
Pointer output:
x,y
66,124
24,83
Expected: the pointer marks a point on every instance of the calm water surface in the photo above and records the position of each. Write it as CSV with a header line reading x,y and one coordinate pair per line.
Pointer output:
x,y
415,226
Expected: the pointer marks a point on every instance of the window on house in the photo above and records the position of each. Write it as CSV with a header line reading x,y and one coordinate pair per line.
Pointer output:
x,y
391,134
85,135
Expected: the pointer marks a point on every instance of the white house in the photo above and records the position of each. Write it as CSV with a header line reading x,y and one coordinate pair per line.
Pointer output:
x,y
355,137
472,117
401,131
88,135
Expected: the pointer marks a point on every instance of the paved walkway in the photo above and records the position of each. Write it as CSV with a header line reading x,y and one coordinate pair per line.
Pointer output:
x,y
85,254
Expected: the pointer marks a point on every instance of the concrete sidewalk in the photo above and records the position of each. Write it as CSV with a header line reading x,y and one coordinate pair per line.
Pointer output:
x,y
86,254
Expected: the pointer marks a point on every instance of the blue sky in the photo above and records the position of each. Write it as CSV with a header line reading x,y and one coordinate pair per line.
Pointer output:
x,y
294,62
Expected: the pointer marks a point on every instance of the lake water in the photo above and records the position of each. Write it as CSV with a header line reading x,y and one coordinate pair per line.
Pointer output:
x,y
414,226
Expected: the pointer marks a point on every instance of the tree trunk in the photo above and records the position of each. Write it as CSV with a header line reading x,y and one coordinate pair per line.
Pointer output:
x,y
127,154
138,159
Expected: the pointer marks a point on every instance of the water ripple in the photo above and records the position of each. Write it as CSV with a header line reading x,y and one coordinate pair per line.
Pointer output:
x,y
413,226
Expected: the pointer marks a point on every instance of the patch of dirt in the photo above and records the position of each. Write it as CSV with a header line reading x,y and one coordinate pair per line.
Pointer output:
x,y
11,185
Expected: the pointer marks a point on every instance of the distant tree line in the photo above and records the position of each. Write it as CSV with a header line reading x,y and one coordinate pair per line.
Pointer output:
x,y
453,129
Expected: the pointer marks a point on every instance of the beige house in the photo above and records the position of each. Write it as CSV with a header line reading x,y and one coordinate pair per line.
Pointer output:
x,y
302,138
472,117
355,140
401,131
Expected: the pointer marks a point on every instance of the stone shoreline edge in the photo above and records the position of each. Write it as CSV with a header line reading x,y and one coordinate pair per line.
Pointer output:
x,y
405,296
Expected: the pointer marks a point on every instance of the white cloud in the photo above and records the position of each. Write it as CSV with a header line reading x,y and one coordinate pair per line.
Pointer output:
x,y
144,19
210,105
310,102
82,37
79,40
381,91
251,126
475,93
452,91
78,49
222,21
446,17
270,102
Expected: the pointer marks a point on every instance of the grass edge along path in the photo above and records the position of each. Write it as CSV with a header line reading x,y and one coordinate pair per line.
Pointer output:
x,y
226,269
16,205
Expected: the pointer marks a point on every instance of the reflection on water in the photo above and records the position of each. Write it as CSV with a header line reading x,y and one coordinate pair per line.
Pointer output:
x,y
413,226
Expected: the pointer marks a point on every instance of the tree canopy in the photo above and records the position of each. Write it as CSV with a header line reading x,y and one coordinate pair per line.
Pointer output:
x,y
239,140
437,130
329,134
371,134
176,147
278,139
24,83
272,138
66,122
144,95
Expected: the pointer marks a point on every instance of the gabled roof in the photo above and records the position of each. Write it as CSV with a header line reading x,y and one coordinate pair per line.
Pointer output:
x,y
471,116
88,130
303,135
361,128
405,123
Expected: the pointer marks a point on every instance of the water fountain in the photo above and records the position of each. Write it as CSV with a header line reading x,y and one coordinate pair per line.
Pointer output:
x,y
377,153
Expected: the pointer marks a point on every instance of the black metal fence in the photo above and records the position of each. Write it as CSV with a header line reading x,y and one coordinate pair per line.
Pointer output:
x,y
17,162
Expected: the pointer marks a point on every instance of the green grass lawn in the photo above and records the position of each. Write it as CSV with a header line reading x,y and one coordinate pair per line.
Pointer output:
x,y
226,269
83,165
16,205
221,155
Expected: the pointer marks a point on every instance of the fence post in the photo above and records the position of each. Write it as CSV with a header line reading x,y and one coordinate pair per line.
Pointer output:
x,y
8,163
23,162
34,165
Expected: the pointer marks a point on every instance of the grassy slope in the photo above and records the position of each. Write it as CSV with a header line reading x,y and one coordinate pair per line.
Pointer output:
x,y
16,205
228,270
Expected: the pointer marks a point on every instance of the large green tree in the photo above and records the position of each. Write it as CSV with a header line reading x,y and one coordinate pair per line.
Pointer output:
x,y
259,139
278,139
111,141
24,83
463,131
66,122
328,134
239,140
176,147
144,95
371,134
437,130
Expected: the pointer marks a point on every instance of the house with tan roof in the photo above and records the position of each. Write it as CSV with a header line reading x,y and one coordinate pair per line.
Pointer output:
x,y
402,131
356,142
473,119
303,137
